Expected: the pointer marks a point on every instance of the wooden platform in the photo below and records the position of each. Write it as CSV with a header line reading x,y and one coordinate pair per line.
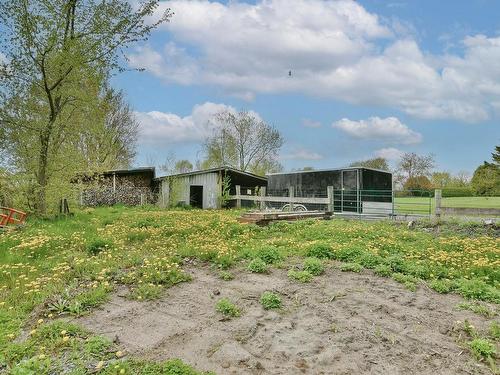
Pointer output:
x,y
266,217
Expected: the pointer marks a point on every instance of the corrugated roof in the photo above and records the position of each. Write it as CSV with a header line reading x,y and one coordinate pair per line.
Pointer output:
x,y
212,170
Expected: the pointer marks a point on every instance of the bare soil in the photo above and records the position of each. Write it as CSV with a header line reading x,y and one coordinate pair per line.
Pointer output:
x,y
341,323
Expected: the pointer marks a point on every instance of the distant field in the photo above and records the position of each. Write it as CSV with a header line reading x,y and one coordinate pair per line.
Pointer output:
x,y
421,204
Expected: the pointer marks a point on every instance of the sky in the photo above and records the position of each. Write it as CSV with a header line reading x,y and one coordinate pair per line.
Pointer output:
x,y
368,78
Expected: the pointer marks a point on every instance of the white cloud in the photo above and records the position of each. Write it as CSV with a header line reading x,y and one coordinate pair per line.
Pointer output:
x,y
308,123
332,49
388,129
167,128
389,153
302,154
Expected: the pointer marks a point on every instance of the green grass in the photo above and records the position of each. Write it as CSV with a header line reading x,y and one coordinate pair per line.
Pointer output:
x,y
422,204
70,266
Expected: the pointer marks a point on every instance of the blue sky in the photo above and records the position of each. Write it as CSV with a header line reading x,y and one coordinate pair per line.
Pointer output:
x,y
369,78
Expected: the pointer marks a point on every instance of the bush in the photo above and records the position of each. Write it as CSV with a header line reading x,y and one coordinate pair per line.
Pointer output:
x,y
270,300
257,265
227,308
320,250
302,276
456,192
97,245
314,266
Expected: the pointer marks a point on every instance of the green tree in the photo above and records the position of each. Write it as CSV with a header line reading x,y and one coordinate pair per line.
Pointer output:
x,y
496,155
59,54
486,180
417,183
243,141
375,163
441,179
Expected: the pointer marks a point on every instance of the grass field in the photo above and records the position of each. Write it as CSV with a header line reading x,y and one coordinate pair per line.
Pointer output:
x,y
68,267
421,204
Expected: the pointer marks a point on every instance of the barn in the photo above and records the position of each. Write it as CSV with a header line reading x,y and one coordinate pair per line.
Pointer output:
x,y
204,188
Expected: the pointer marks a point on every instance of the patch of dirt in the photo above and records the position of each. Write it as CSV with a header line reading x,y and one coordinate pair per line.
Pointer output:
x,y
341,323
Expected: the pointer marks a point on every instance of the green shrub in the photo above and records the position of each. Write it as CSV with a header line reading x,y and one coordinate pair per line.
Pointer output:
x,y
383,270
320,250
482,348
351,267
314,266
257,265
302,276
442,285
97,245
270,300
227,308
269,254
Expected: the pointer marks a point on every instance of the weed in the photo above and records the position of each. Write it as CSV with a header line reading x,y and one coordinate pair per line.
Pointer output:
x,y
494,330
482,348
97,345
351,267
134,237
97,245
227,308
477,308
442,285
478,289
314,266
269,255
408,281
270,300
383,270
369,260
146,292
257,265
302,276
320,250
225,275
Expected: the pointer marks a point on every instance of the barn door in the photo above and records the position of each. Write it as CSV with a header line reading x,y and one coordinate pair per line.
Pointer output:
x,y
350,189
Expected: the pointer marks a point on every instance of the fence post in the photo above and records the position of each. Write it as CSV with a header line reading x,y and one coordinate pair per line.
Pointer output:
x,y
262,193
238,197
142,199
291,193
331,201
437,199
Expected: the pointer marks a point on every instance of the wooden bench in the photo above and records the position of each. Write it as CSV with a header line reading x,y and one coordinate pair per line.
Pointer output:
x,y
10,216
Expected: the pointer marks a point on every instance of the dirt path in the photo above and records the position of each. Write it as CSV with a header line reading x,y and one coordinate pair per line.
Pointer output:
x,y
341,323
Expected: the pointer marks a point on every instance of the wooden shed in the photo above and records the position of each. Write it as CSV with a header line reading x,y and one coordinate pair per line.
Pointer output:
x,y
203,188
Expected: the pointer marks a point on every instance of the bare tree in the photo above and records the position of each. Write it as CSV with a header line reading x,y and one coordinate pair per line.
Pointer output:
x,y
243,141
413,165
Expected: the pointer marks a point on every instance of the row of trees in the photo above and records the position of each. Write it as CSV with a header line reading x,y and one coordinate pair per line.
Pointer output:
x,y
416,172
58,115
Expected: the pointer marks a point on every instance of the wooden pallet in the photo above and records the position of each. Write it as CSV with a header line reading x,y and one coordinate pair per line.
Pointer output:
x,y
266,217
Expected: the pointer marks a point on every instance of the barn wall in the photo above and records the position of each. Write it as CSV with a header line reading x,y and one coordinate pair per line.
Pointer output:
x,y
178,188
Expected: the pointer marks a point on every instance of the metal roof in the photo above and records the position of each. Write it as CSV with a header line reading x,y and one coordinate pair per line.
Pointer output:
x,y
328,170
131,171
213,170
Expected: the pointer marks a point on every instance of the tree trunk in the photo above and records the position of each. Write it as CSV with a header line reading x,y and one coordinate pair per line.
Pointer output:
x,y
42,179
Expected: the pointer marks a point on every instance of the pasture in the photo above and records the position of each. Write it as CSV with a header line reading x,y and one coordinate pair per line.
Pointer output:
x,y
421,204
141,290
